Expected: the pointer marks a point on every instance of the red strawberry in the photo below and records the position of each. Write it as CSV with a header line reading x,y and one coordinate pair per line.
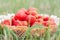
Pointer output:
x,y
45,23
20,15
46,18
19,23
52,22
39,16
24,23
6,22
31,11
34,13
31,19
39,20
16,22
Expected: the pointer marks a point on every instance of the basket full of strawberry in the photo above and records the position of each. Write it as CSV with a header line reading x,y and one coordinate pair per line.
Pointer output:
x,y
28,24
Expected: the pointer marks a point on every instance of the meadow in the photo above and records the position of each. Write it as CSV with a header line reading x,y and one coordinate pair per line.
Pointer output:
x,y
43,6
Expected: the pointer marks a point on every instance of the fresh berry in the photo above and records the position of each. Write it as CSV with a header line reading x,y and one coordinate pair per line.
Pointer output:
x,y
39,20
52,22
46,18
20,15
39,16
31,19
24,23
19,23
45,23
16,22
6,22
32,11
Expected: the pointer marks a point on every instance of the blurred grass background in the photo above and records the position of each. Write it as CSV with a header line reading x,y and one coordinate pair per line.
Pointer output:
x,y
44,6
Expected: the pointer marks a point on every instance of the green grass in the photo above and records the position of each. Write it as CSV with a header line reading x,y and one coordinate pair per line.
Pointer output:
x,y
44,6
47,35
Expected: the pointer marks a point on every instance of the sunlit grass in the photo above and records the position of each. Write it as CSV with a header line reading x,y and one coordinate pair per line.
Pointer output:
x,y
44,6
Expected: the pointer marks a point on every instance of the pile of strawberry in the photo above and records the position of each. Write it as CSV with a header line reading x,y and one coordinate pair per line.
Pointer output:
x,y
29,17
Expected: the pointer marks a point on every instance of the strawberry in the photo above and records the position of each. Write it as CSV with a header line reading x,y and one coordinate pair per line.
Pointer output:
x,y
16,22
24,23
39,16
19,23
20,15
31,19
6,22
52,22
46,18
31,11
45,23
34,13
39,20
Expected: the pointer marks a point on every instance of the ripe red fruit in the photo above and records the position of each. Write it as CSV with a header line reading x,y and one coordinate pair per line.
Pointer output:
x,y
46,18
31,11
45,23
20,15
6,22
19,23
34,13
31,19
24,23
52,22
39,21
16,23
39,16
